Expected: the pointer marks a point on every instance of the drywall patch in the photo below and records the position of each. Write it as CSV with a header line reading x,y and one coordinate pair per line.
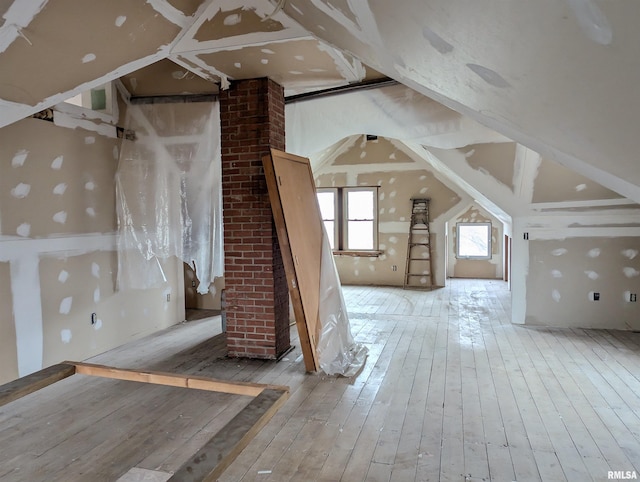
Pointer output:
x,y
630,272
60,217
65,336
19,158
65,305
120,20
233,19
56,164
592,275
594,253
559,252
592,21
556,273
95,270
89,140
60,189
98,324
437,42
89,185
24,230
116,153
96,295
491,77
555,294
88,58
630,253
21,190
90,212
581,187
237,65
63,276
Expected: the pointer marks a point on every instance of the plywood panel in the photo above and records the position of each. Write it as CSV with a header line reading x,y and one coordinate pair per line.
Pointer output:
x,y
300,233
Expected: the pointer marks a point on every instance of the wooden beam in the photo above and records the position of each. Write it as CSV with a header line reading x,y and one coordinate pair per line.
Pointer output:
x,y
222,449
174,380
25,385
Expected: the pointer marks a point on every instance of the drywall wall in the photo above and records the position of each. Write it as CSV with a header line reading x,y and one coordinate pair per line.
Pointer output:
x,y
564,275
476,268
57,235
556,183
495,159
399,177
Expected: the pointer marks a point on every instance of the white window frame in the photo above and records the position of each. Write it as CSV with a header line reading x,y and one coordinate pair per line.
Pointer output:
x,y
489,247
336,218
341,221
345,216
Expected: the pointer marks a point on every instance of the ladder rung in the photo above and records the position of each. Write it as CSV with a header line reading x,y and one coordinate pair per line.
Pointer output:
x,y
419,259
410,274
419,244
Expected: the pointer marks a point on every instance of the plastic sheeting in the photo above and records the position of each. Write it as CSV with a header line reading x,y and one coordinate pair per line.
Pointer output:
x,y
338,353
397,112
168,194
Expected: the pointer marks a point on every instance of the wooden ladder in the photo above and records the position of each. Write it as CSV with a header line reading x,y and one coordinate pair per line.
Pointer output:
x,y
418,273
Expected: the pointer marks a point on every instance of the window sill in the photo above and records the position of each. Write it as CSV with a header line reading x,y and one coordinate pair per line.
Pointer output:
x,y
364,254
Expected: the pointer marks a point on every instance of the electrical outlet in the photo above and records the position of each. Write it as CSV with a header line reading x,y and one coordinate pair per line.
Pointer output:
x,y
193,284
596,296
168,296
632,297
394,268
94,318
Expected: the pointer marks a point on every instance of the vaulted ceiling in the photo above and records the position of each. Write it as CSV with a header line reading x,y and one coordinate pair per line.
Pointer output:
x,y
557,76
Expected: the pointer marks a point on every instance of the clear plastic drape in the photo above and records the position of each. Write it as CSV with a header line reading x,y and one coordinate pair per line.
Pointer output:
x,y
168,193
338,353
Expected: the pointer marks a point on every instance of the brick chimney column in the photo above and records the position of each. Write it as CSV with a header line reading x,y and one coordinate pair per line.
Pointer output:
x,y
257,300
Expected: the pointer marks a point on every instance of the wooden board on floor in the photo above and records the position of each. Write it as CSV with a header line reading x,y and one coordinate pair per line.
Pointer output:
x,y
31,383
300,233
217,453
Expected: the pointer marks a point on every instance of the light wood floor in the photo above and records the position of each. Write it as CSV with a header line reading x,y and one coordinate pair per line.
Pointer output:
x,y
450,391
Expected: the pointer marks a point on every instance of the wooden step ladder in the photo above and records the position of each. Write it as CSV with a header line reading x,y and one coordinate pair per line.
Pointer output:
x,y
418,273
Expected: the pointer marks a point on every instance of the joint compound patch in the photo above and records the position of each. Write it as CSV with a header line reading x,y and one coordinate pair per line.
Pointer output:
x,y
63,276
594,253
65,305
21,190
56,164
60,189
65,336
24,230
19,158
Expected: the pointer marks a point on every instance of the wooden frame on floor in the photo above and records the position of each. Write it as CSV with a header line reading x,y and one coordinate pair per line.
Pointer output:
x,y
215,455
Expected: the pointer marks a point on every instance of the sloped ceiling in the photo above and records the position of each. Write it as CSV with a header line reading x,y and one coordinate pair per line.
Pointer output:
x,y
557,76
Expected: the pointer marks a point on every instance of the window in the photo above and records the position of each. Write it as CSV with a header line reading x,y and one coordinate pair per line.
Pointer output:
x,y
350,217
474,240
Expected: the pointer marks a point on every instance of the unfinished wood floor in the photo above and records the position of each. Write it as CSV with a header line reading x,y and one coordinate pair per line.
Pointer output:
x,y
450,391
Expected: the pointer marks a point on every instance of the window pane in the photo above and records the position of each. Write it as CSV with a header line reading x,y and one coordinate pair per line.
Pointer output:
x,y
326,200
473,241
360,235
360,204
328,226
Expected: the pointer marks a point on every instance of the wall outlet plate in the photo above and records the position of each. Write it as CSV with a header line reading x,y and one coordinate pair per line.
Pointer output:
x,y
596,296
94,318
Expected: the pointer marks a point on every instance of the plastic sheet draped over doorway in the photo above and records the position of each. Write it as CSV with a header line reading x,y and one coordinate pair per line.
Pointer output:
x,y
168,194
